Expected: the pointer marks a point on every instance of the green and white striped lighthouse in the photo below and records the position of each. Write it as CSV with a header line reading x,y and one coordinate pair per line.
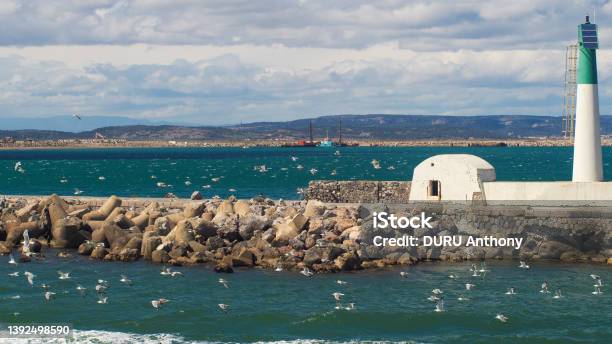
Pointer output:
x,y
587,142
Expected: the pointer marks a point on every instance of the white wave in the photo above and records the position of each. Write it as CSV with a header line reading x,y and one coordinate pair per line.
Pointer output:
x,y
110,337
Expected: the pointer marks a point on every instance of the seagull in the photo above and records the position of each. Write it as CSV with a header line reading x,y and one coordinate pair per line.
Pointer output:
x,y
176,273
299,167
64,275
307,272
215,179
351,306
544,288
19,167
501,318
76,116
403,274
341,282
595,277
223,307
12,260
440,306
49,295
103,300
337,153
77,192
101,178
165,271
523,265
187,182
337,296
452,276
597,290
81,289
224,282
469,286
294,158
125,280
30,276
158,303
510,291
462,298
375,164
599,283
278,269
557,294
100,288
313,171
44,286
14,274
26,243
437,291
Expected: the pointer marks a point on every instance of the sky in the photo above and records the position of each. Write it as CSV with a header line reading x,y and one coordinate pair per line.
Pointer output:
x,y
230,61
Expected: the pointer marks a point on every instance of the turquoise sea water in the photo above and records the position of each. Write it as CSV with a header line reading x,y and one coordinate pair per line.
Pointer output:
x,y
267,306
129,171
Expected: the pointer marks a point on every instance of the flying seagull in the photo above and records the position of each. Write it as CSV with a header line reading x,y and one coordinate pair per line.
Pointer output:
x,y
76,116
501,318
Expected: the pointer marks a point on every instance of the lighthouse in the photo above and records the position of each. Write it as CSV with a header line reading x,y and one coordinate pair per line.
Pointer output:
x,y
587,142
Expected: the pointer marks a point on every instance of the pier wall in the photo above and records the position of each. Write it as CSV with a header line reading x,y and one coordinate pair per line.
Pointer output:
x,y
358,191
564,233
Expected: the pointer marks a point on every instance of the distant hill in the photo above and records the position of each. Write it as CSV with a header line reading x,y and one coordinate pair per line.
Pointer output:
x,y
391,127
71,124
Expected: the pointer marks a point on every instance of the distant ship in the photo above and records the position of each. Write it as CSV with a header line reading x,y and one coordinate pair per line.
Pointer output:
x,y
325,143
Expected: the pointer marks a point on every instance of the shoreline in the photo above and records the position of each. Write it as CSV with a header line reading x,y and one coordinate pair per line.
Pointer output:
x,y
112,143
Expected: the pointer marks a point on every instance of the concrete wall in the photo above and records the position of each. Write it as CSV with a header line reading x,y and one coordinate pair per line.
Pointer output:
x,y
358,191
552,193
566,233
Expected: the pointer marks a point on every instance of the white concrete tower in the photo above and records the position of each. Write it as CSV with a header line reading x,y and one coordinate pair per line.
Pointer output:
x,y
587,143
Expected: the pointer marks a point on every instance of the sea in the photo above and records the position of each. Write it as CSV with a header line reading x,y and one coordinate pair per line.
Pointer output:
x,y
245,173
286,307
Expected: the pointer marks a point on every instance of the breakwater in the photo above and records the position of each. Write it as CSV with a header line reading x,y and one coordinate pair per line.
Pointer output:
x,y
324,237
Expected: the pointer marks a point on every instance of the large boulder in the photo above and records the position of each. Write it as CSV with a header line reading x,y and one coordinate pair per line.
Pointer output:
x,y
150,241
250,224
105,210
226,207
160,256
242,208
110,234
194,209
181,233
86,248
285,232
204,229
25,212
243,257
317,255
314,208
67,233
348,261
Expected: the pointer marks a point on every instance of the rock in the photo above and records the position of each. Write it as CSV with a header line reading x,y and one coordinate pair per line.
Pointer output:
x,y
141,221
348,261
196,196
243,258
314,208
99,252
204,229
225,265
56,212
177,251
197,247
134,243
24,213
5,248
194,209
214,243
105,210
250,224
86,248
352,233
110,234
182,233
553,249
229,229
406,259
610,261
122,221
67,233
242,208
35,246
300,221
226,207
149,244
208,216
285,232
317,254
160,256
128,254
297,244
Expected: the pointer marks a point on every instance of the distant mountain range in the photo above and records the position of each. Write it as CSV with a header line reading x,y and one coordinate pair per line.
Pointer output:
x,y
375,127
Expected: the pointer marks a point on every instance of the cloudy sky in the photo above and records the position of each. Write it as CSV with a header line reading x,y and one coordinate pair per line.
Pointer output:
x,y
226,61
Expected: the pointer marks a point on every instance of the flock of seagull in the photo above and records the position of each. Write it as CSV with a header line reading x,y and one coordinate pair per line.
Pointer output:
x,y
438,298
437,295
258,168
